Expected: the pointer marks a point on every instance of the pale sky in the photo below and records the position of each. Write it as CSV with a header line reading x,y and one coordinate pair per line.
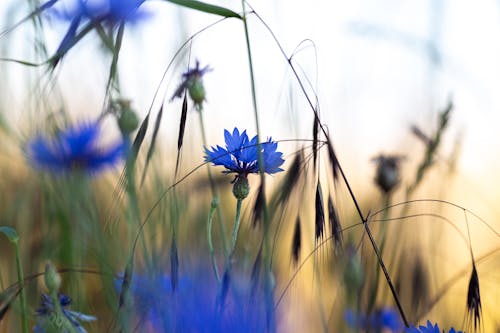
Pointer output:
x,y
378,67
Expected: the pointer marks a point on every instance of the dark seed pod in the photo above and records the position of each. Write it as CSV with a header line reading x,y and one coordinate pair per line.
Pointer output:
x,y
320,213
474,298
296,241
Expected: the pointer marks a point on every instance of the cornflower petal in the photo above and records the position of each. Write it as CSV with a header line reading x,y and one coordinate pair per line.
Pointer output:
x,y
47,309
429,328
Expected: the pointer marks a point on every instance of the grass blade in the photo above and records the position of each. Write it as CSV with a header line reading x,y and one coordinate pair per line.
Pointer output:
x,y
205,7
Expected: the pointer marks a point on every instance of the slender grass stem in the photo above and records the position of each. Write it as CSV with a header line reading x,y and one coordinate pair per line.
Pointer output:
x,y
215,190
209,238
383,238
134,211
20,278
269,280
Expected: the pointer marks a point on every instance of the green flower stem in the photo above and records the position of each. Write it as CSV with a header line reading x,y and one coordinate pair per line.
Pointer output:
x,y
269,279
209,237
134,211
58,321
236,228
215,191
20,278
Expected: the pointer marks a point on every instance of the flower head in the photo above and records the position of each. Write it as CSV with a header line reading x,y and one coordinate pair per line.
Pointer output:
x,y
241,154
49,322
429,328
108,12
387,177
192,307
75,148
192,80
383,319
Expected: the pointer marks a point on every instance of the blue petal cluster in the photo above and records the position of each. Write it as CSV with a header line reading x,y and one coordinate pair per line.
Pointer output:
x,y
109,12
241,154
429,328
46,311
75,148
193,306
383,319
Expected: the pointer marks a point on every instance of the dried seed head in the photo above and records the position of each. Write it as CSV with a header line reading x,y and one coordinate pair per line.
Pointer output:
x,y
335,226
257,209
296,241
387,174
474,298
333,159
292,178
320,213
315,139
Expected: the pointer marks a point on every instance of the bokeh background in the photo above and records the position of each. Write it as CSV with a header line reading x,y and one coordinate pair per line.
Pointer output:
x,y
377,68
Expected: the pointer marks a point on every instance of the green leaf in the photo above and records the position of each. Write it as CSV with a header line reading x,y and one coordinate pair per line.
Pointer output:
x,y
205,7
10,233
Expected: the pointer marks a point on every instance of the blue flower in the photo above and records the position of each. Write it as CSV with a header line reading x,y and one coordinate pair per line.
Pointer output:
x,y
108,12
75,148
429,328
241,154
192,307
383,319
47,316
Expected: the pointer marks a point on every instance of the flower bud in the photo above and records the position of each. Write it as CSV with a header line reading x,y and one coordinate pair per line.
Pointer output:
x,y
196,90
387,175
128,121
52,278
241,188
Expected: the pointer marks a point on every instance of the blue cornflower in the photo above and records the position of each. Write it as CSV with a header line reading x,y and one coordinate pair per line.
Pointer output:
x,y
241,154
429,328
108,12
47,317
75,148
192,307
380,320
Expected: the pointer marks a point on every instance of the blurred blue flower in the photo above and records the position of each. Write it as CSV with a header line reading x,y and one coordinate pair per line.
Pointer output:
x,y
46,315
429,328
380,320
192,307
108,12
75,148
241,154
